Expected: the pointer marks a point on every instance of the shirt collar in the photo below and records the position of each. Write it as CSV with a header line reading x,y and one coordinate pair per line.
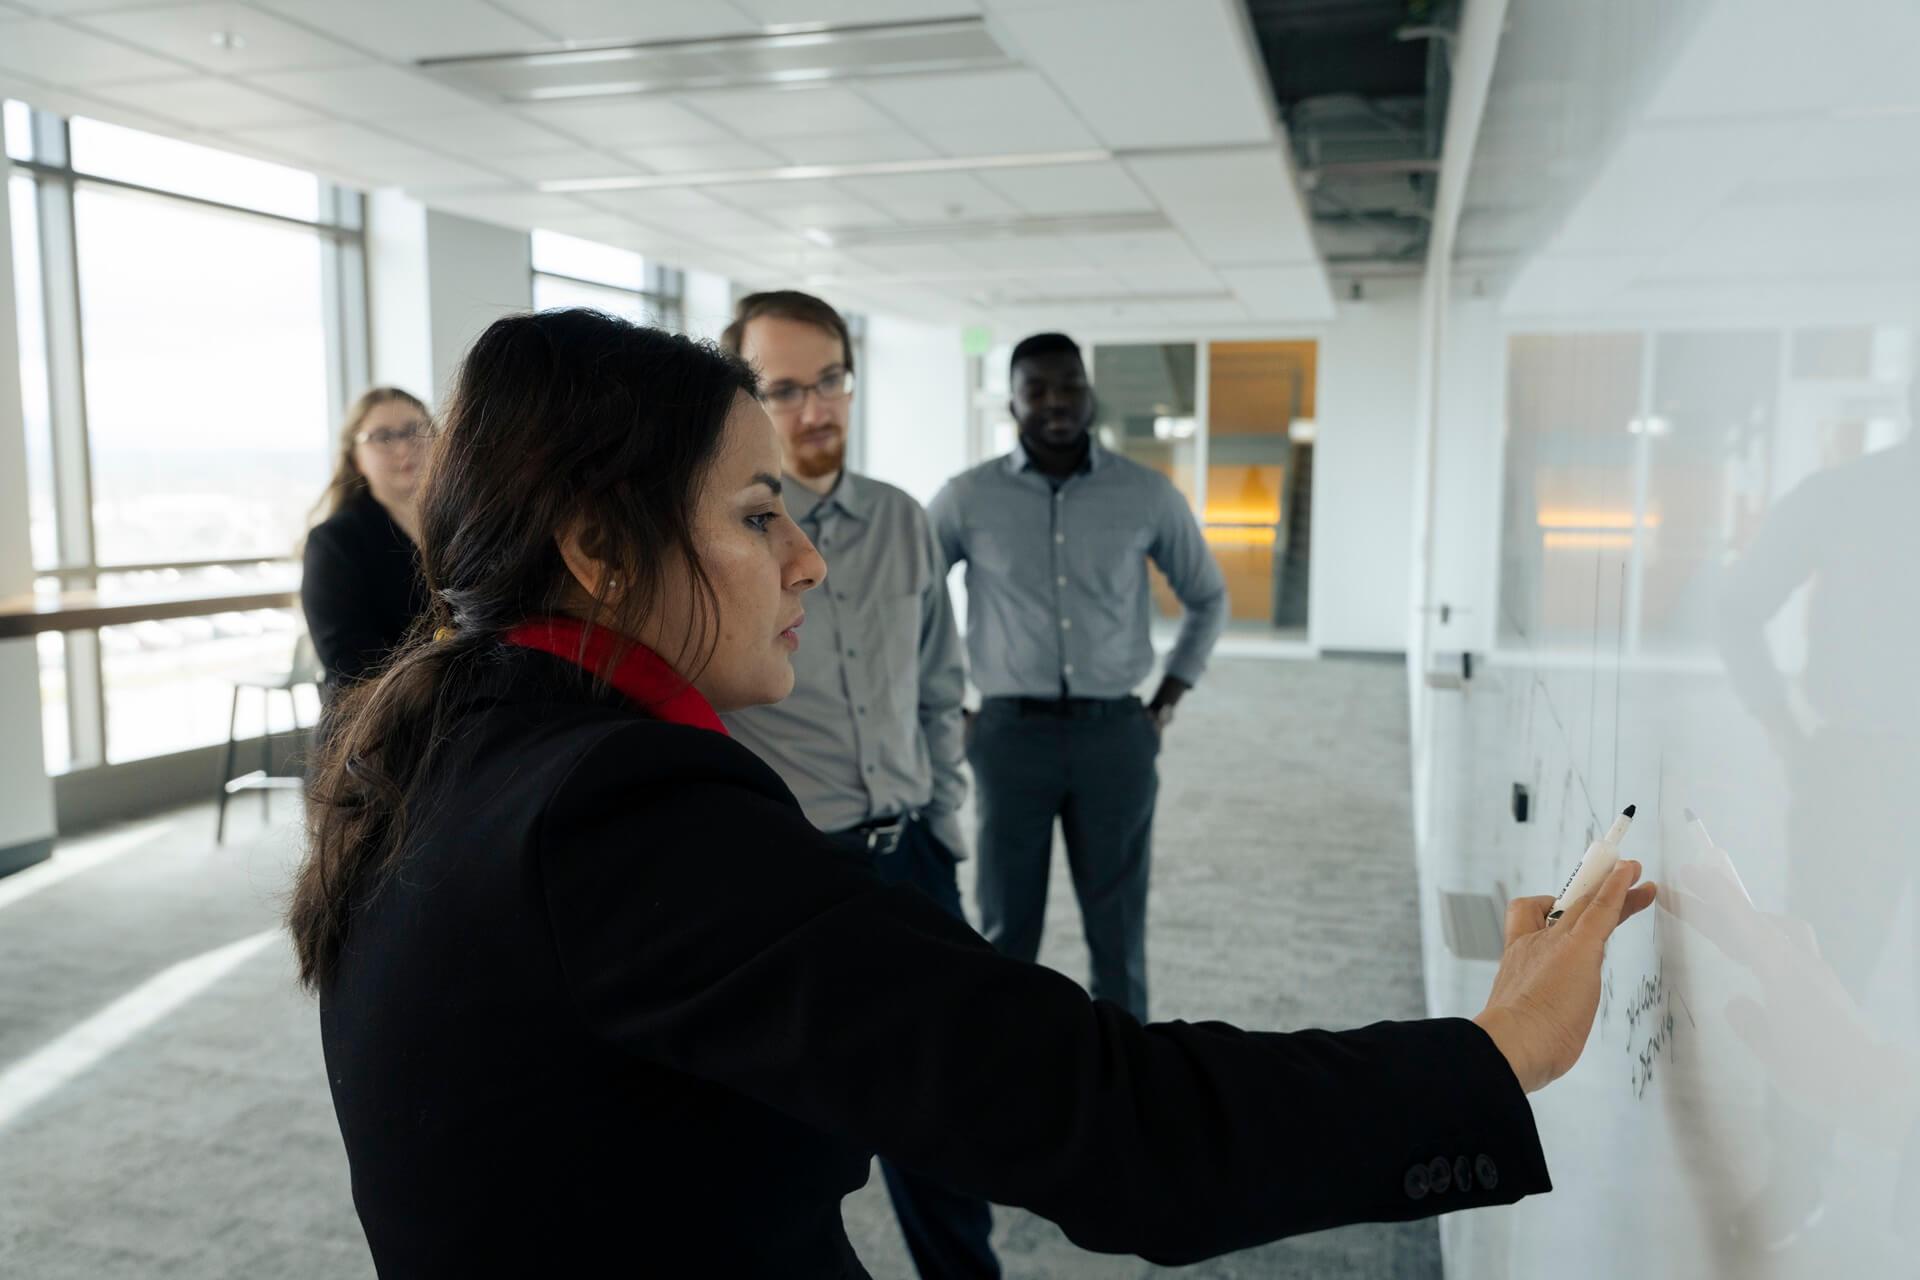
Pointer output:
x,y
1018,461
641,674
847,493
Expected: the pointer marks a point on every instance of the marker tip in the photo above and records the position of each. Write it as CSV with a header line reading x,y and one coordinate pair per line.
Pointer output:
x,y
1628,811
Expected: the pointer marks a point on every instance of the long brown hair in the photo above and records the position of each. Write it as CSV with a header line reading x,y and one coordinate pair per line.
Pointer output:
x,y
348,482
561,421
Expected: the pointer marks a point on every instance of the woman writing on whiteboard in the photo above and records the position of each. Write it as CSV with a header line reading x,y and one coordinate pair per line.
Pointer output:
x,y
594,994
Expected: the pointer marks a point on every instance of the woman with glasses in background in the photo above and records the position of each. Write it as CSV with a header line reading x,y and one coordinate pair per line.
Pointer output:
x,y
360,585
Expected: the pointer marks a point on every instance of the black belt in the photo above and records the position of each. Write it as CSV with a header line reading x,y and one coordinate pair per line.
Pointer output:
x,y
1070,708
879,835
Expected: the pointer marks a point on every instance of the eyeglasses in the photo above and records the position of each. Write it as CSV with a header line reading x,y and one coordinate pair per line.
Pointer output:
x,y
787,397
394,437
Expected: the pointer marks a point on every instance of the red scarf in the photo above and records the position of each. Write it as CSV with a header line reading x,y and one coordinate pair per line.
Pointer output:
x,y
641,674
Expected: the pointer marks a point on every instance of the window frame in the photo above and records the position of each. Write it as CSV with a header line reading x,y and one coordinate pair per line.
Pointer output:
x,y
661,295
341,232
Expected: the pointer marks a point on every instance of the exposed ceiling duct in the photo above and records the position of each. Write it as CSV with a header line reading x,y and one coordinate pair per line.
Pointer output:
x,y
1362,86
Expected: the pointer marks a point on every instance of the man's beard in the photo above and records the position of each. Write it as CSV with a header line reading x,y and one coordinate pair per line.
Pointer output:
x,y
816,461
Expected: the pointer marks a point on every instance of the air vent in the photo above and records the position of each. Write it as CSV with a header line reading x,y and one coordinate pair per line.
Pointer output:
x,y
780,57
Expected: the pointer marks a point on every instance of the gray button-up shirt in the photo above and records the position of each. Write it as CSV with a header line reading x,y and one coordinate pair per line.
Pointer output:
x,y
872,728
1057,591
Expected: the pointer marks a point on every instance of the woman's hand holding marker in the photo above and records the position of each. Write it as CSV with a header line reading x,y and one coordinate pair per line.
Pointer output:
x,y
1544,997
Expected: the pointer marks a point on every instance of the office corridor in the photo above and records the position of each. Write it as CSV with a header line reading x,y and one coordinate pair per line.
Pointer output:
x,y
163,1110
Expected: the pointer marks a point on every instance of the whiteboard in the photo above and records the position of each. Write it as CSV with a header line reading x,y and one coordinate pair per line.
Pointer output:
x,y
1693,247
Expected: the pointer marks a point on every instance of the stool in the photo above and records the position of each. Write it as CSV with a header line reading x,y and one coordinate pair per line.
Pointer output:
x,y
303,670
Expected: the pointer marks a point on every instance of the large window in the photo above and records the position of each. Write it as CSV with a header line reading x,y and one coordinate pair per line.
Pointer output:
x,y
570,272
1231,424
218,301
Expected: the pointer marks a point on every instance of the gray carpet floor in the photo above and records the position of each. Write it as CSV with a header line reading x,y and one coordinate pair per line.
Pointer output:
x,y
204,1145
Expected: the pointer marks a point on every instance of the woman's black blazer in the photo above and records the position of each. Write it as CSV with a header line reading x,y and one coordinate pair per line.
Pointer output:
x,y
622,1011
360,588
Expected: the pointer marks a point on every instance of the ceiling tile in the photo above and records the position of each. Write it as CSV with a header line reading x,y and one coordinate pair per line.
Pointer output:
x,y
624,123
924,260
354,152
710,157
932,197
561,166
1063,190
800,204
417,28
1100,55
1180,279
678,208
1222,311
626,20
206,102
1236,206
1010,137
1023,253
1139,249
852,148
65,102
1283,293
377,95
786,113
66,8
513,208
59,55
985,112
486,135
780,12
187,32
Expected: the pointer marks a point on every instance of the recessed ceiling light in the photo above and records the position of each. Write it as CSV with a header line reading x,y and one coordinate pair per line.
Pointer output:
x,y
813,172
790,56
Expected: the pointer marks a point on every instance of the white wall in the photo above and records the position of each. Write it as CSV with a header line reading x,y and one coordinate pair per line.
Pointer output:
x,y
706,302
398,328
476,273
914,381
26,798
1469,435
434,282
1363,474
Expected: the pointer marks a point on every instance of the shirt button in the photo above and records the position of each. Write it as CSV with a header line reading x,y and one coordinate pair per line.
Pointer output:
x,y
1059,537
869,768
852,654
1062,580
1068,669
1066,624
1462,1174
1486,1172
860,710
1439,1174
1415,1183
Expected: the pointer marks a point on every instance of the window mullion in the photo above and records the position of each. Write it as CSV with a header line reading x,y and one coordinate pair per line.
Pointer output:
x,y
67,407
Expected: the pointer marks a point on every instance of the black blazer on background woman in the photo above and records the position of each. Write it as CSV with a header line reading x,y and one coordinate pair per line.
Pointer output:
x,y
622,1011
360,588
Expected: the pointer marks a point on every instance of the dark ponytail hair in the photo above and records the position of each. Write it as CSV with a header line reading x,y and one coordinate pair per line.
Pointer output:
x,y
564,420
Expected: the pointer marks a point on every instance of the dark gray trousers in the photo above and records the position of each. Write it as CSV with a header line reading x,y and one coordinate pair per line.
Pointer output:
x,y
1091,767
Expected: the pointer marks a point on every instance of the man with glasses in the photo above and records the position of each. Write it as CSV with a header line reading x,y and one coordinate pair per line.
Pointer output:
x,y
871,740
1056,537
